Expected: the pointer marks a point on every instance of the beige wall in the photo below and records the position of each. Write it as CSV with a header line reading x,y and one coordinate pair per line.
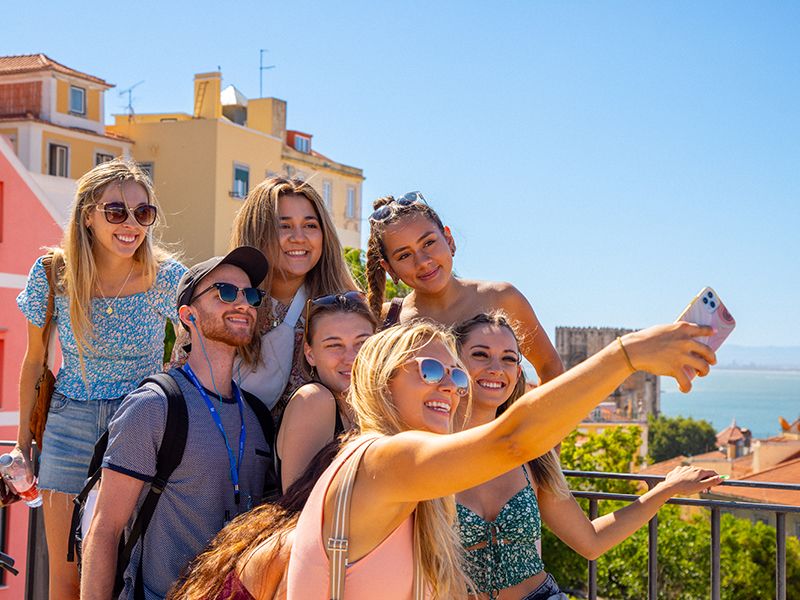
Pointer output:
x,y
81,151
12,135
92,100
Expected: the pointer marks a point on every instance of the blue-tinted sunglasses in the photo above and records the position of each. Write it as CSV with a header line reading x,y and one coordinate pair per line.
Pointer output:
x,y
384,212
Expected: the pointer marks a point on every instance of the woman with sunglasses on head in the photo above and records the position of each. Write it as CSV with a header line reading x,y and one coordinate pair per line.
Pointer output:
x,y
336,327
407,383
409,242
114,289
287,220
500,520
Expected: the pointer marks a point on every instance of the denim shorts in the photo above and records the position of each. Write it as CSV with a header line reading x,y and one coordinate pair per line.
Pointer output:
x,y
73,427
547,590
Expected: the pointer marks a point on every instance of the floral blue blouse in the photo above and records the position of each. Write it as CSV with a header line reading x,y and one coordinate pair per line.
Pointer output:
x,y
128,341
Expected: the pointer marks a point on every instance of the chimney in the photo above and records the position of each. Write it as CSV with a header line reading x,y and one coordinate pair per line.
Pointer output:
x,y
207,89
267,115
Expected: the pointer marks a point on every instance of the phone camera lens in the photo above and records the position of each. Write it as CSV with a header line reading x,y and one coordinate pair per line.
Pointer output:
x,y
710,294
713,305
705,300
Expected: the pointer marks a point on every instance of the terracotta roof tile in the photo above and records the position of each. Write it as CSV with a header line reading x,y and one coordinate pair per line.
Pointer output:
x,y
30,63
787,472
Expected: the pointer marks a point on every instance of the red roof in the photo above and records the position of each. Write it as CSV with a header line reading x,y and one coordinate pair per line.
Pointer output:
x,y
730,434
30,63
787,472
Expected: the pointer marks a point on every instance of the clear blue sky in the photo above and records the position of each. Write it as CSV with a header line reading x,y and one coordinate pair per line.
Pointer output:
x,y
610,159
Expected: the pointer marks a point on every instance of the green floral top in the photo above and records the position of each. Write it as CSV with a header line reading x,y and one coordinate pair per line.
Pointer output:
x,y
509,555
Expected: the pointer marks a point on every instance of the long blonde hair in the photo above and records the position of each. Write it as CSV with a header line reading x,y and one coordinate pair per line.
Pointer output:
x,y
546,469
256,224
436,538
74,260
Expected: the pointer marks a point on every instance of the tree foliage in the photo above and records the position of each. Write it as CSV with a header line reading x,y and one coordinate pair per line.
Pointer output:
x,y
672,436
684,538
356,261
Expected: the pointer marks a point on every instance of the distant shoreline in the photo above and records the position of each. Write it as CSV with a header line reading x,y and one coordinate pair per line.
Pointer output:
x,y
756,369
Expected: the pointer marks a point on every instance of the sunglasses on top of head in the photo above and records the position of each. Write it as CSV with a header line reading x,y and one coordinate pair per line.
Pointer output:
x,y
228,293
432,372
347,300
384,212
117,213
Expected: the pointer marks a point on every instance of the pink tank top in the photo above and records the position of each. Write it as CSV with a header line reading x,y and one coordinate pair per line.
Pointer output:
x,y
387,572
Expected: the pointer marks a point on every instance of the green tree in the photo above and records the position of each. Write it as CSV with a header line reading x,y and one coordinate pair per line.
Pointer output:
x,y
672,436
356,261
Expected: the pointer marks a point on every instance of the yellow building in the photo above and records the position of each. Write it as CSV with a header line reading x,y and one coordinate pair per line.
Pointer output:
x,y
53,117
204,164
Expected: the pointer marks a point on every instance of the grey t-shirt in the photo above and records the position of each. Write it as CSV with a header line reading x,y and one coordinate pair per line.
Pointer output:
x,y
193,506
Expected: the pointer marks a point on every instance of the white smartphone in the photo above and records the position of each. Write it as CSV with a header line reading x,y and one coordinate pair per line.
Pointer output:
x,y
706,308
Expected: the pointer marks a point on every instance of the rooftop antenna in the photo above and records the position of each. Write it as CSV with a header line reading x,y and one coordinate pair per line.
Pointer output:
x,y
261,68
129,91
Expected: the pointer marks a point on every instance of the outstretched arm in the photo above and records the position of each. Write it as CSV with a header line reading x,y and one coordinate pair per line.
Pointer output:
x,y
590,539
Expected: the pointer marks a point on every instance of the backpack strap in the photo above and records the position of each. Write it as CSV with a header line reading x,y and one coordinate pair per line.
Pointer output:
x,y
393,315
272,482
170,455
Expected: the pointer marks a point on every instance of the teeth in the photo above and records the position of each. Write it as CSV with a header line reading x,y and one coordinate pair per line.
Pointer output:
x,y
296,252
126,238
492,385
439,406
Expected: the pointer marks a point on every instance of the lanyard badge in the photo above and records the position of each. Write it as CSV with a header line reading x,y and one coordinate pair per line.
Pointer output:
x,y
235,465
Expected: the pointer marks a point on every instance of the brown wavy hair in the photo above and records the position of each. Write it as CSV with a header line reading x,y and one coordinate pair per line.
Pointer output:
x,y
546,469
256,224
239,539
376,274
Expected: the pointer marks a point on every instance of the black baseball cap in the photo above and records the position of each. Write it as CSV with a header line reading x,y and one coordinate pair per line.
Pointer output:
x,y
250,260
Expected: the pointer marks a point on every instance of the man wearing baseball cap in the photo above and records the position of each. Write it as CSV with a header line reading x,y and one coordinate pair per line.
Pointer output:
x,y
227,455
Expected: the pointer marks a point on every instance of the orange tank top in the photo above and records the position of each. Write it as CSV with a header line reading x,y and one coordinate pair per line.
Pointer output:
x,y
387,572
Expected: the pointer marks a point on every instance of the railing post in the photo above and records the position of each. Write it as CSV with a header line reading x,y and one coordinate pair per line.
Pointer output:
x,y
593,513
780,556
715,554
652,553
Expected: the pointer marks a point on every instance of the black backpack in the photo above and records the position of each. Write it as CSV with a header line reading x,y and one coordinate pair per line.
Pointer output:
x,y
170,455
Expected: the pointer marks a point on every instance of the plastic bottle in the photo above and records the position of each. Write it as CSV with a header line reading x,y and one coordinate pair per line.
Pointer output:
x,y
12,467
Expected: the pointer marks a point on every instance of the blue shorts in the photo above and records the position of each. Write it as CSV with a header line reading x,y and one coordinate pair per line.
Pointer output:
x,y
73,427
547,590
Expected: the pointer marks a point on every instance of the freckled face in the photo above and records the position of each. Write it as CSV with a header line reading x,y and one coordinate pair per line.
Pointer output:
x,y
300,236
419,253
491,356
338,336
424,406
125,238
230,323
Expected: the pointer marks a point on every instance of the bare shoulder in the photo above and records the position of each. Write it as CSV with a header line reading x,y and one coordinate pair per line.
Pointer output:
x,y
263,570
501,294
311,394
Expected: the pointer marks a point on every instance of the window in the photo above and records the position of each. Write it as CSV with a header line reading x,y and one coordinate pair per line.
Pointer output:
x,y
77,100
302,144
100,158
327,195
59,160
241,181
147,167
350,208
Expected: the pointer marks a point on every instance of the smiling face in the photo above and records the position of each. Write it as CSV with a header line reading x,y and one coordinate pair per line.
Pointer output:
x,y
300,236
491,355
423,406
337,338
229,323
125,238
419,253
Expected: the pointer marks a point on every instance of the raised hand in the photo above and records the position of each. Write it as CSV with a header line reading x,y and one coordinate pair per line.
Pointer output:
x,y
690,480
667,349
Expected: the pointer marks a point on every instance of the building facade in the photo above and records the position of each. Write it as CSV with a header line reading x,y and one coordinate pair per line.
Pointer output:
x,y
204,164
639,395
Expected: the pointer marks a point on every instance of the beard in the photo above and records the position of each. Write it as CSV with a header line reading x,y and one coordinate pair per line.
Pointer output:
x,y
216,328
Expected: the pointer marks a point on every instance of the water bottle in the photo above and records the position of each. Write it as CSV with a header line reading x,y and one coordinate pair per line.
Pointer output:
x,y
12,467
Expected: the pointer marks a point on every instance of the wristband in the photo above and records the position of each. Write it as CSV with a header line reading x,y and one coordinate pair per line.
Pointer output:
x,y
625,354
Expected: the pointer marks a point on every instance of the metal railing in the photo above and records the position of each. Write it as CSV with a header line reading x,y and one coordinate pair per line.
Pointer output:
x,y
716,507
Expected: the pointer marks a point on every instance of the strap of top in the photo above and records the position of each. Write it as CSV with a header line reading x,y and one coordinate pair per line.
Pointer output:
x,y
525,472
393,315
47,263
338,543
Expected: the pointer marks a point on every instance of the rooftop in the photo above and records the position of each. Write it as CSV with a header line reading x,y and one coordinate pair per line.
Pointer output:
x,y
31,63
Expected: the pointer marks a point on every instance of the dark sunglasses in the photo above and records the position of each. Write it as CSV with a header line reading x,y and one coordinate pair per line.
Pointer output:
x,y
432,372
229,292
350,299
384,212
117,212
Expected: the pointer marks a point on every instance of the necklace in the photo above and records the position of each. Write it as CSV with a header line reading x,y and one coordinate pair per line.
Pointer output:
x,y
109,307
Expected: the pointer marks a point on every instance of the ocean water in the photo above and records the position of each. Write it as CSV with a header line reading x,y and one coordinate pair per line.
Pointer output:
x,y
754,398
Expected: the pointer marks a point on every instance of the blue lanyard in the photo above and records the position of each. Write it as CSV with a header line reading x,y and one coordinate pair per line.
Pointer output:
x,y
234,466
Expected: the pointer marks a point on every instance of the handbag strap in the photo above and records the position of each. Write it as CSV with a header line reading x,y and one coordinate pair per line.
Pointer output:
x,y
338,543
47,263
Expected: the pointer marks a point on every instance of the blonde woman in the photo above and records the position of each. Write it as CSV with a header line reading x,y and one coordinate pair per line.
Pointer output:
x,y
500,521
407,383
114,291
287,220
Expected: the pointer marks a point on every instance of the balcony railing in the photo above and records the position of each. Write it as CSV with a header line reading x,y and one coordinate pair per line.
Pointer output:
x,y
36,574
715,506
